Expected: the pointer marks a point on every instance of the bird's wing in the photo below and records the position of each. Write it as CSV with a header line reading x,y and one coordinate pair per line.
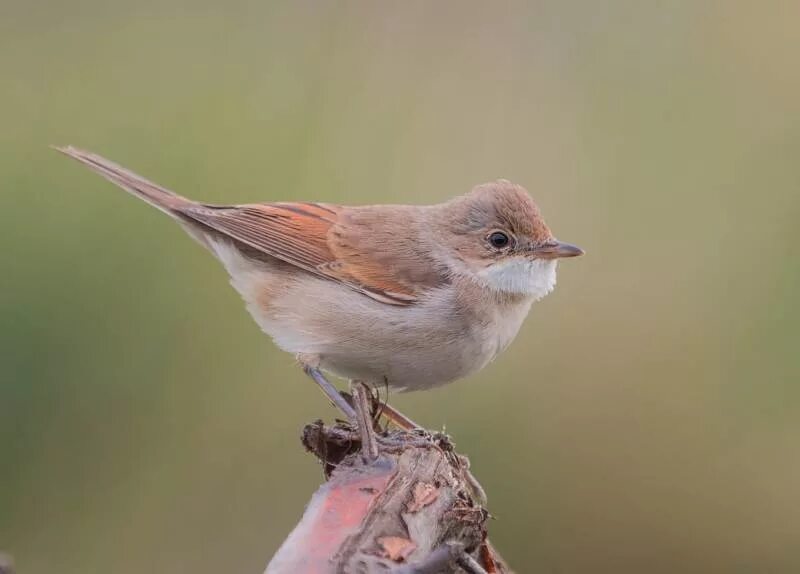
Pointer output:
x,y
356,248
301,234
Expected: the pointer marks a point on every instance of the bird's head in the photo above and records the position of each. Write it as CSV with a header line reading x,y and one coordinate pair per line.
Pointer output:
x,y
496,235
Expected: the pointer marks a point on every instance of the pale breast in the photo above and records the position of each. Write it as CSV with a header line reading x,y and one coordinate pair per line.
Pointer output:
x,y
449,334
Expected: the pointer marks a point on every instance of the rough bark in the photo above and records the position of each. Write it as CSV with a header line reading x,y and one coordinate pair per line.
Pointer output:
x,y
409,507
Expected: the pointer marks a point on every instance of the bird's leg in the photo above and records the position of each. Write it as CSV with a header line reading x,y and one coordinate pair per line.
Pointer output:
x,y
331,392
398,418
359,417
392,414
363,407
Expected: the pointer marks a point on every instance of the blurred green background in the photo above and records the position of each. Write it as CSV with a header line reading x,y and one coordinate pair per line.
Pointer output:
x,y
646,419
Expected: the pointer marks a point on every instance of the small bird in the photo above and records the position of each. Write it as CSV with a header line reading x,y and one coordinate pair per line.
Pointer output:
x,y
408,296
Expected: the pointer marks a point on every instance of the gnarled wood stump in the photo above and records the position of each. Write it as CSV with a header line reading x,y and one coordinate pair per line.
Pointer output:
x,y
412,507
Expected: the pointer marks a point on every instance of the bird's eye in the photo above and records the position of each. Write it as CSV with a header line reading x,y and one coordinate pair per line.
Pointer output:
x,y
498,239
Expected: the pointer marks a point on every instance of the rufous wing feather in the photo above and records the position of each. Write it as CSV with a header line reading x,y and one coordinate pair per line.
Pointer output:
x,y
300,234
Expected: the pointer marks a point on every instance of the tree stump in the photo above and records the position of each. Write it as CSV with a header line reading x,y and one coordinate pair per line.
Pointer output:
x,y
410,506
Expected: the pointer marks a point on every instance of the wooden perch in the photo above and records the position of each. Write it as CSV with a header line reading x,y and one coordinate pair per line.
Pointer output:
x,y
404,504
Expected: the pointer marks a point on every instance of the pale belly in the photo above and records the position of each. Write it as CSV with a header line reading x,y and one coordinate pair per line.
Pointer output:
x,y
430,343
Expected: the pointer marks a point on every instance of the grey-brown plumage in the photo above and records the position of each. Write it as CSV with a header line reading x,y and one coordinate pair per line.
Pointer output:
x,y
415,296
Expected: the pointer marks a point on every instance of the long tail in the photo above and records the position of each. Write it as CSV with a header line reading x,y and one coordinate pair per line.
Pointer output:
x,y
160,198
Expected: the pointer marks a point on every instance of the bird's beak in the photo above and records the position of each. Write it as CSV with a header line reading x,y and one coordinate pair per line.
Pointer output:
x,y
556,250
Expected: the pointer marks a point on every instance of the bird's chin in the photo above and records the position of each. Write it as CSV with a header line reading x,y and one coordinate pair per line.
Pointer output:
x,y
521,276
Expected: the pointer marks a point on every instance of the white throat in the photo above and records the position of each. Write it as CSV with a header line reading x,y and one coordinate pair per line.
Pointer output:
x,y
520,276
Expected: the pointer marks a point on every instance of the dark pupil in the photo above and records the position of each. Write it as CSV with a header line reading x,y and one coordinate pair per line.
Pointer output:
x,y
498,239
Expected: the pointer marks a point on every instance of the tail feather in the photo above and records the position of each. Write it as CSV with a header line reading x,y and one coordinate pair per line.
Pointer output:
x,y
157,196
